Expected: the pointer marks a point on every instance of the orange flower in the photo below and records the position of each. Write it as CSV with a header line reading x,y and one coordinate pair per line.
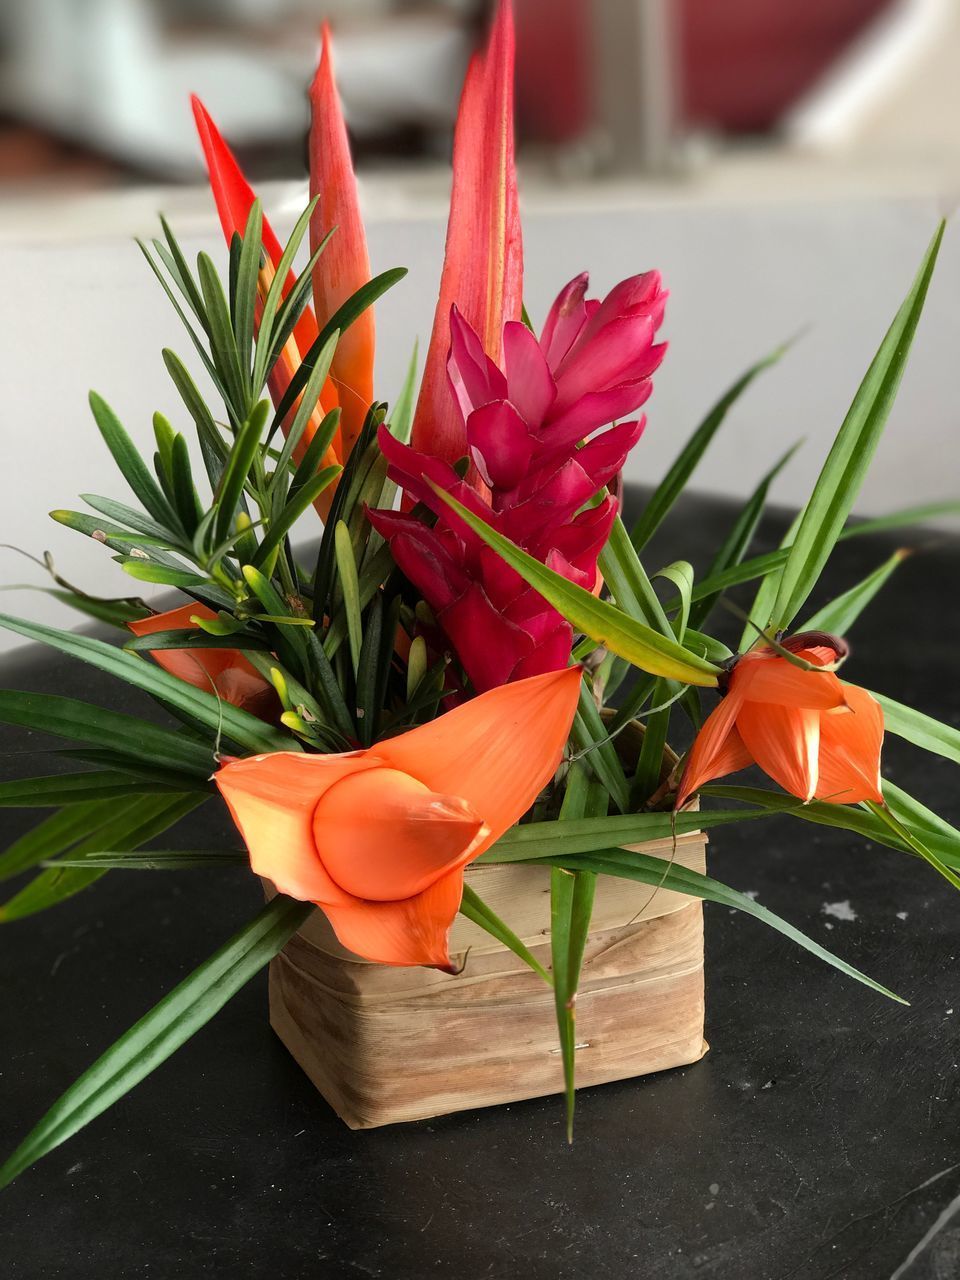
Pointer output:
x,y
226,671
344,266
816,736
379,838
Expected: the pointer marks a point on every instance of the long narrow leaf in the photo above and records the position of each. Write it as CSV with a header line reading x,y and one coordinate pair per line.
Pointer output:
x,y
849,458
674,482
162,1031
841,613
212,712
650,870
84,722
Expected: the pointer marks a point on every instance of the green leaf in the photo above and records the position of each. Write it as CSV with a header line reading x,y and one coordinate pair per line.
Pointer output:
x,y
213,448
680,573
244,295
125,515
118,612
680,472
56,834
627,580
840,614
843,816
604,623
923,731
571,908
184,319
400,424
592,738
849,458
650,870
146,571
305,495
272,302
914,842
156,860
210,711
57,789
897,520
162,1031
476,910
340,321
759,616
185,498
83,722
368,672
223,342
534,840
737,542
129,824
193,639
308,403
131,465
350,587
237,469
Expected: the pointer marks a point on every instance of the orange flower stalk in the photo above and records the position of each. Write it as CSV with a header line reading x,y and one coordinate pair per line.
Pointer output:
x,y
225,671
483,261
379,838
345,265
816,736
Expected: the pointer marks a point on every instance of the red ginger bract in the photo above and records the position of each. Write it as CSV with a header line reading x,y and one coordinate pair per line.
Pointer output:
x,y
525,424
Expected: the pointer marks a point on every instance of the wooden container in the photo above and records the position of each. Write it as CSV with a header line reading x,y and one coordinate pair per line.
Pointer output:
x,y
386,1044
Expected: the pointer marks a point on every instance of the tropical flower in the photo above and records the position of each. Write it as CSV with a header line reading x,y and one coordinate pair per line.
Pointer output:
x,y
523,426
483,261
223,671
818,737
379,838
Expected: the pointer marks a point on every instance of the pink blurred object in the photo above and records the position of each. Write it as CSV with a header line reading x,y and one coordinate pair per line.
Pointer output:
x,y
523,425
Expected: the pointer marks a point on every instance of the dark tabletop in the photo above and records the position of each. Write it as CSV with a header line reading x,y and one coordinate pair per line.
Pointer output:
x,y
820,1137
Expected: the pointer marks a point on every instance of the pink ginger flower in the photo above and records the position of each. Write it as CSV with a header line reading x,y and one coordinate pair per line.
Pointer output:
x,y
533,431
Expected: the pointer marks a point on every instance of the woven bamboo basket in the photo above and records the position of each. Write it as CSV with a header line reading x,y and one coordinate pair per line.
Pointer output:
x,y
386,1044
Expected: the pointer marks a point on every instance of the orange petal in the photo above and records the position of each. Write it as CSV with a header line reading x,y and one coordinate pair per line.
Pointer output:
x,y
497,751
225,671
717,750
784,742
344,265
383,835
771,679
483,259
850,742
413,931
272,799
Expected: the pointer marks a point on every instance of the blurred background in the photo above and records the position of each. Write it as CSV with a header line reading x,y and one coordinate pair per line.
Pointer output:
x,y
783,162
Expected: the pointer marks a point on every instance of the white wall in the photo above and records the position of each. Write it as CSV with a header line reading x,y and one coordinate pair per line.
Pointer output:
x,y
81,309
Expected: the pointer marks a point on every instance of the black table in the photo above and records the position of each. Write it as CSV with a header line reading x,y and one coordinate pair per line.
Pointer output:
x,y
819,1138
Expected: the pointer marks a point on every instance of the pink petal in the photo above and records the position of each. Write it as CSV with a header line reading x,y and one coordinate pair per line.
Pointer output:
x,y
604,361
565,320
500,444
532,388
642,293
474,377
487,645
594,410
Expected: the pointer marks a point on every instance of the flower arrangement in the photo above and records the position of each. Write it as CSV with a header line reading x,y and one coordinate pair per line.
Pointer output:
x,y
434,690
